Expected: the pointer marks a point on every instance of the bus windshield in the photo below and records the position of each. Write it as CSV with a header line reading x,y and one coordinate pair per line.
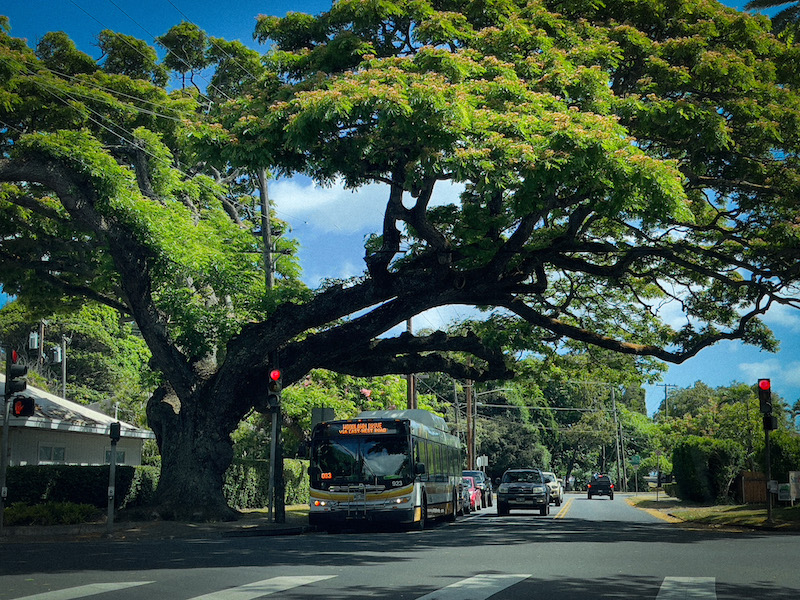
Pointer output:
x,y
361,459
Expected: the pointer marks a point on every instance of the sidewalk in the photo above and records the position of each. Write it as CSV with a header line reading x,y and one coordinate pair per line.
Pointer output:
x,y
252,523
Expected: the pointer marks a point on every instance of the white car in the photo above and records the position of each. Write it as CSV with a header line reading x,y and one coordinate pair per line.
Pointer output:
x,y
556,489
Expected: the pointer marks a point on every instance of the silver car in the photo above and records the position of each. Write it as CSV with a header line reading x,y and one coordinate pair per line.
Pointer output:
x,y
556,489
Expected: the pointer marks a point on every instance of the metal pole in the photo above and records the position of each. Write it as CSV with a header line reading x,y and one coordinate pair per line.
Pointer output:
x,y
112,479
769,473
273,450
64,367
4,459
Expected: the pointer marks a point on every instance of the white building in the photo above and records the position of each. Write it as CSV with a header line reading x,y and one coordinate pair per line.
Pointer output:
x,y
64,432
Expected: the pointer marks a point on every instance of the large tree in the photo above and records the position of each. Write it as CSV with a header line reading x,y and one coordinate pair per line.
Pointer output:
x,y
614,158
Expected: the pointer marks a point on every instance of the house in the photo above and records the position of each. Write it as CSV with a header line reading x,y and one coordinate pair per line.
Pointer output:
x,y
64,432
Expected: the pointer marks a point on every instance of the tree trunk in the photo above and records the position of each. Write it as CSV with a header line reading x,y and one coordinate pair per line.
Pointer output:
x,y
196,449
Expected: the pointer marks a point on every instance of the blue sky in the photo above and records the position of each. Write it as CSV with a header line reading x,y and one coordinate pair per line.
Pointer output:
x,y
331,223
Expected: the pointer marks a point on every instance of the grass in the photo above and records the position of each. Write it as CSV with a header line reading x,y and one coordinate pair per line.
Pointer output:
x,y
724,515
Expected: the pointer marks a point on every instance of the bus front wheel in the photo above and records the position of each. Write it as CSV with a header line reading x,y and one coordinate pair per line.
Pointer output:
x,y
423,515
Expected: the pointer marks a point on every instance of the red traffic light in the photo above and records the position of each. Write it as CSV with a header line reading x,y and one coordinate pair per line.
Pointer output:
x,y
275,374
765,396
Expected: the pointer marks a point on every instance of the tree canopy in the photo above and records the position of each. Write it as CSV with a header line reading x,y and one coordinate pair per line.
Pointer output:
x,y
617,161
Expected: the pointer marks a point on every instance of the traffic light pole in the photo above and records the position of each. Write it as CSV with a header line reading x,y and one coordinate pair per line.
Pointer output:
x,y
769,476
4,461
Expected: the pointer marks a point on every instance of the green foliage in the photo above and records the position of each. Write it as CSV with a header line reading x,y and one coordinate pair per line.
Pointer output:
x,y
134,58
186,48
36,484
784,447
705,468
247,482
50,513
107,362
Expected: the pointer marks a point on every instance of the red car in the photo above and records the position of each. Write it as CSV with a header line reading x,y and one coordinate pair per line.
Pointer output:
x,y
474,493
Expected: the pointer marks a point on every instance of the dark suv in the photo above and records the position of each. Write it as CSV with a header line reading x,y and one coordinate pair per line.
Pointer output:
x,y
484,484
523,488
600,485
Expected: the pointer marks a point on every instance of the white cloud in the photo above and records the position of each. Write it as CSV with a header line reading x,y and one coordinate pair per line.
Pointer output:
x,y
337,210
783,316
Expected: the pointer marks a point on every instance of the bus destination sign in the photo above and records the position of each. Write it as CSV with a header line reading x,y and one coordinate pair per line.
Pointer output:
x,y
365,428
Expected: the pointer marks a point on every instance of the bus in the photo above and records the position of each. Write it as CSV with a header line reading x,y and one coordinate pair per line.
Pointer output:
x,y
397,467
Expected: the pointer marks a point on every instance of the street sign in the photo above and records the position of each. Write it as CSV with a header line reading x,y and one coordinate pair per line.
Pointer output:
x,y
636,460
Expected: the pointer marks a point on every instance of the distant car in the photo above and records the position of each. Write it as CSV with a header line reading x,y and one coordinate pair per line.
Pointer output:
x,y
484,485
556,489
523,488
474,493
600,485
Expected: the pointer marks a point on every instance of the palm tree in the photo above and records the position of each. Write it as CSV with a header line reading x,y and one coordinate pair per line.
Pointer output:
x,y
783,21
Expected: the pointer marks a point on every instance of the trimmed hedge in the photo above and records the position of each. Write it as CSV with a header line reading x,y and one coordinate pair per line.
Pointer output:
x,y
246,484
704,468
40,484
51,513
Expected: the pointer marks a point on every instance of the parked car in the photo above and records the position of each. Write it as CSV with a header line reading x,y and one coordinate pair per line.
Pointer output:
x,y
600,485
523,488
556,489
484,485
465,507
474,493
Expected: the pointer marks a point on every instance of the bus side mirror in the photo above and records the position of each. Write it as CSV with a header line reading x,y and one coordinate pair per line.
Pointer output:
x,y
419,468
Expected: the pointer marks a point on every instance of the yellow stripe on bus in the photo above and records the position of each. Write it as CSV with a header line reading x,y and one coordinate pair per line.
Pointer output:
x,y
349,496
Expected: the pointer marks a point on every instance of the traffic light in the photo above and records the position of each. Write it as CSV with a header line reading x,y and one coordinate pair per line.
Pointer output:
x,y
15,374
114,431
274,394
765,396
23,406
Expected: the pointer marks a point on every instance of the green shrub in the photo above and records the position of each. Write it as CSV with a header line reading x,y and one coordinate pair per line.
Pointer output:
x,y
295,473
39,484
143,487
784,454
247,482
704,468
50,513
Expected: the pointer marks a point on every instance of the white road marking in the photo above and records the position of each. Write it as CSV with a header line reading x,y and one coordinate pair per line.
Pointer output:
x,y
83,591
257,589
479,587
686,588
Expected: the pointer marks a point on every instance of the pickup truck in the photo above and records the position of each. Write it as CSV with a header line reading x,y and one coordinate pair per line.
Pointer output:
x,y
600,485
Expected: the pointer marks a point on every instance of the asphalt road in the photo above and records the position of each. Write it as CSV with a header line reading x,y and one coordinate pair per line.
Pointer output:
x,y
595,548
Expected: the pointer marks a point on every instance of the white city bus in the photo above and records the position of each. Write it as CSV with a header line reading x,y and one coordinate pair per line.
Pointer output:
x,y
387,466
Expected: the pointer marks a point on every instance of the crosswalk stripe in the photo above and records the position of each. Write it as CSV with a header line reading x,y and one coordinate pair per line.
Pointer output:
x,y
82,591
479,587
688,588
263,588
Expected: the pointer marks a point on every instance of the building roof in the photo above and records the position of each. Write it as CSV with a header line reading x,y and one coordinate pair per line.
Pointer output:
x,y
53,412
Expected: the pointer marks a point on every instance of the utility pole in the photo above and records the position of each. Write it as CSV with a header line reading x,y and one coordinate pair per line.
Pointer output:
x,y
617,444
666,387
411,387
470,426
